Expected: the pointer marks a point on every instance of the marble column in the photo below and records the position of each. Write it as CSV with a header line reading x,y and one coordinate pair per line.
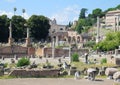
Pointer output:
x,y
57,40
98,30
117,22
10,40
53,48
28,38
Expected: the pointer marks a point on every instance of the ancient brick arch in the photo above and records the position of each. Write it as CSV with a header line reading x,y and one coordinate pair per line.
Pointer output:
x,y
79,39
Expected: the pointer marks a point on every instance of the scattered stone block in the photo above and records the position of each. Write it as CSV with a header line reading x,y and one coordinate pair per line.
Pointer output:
x,y
116,75
110,71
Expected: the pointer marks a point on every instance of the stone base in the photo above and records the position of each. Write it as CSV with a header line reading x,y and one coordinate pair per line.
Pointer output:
x,y
28,42
10,41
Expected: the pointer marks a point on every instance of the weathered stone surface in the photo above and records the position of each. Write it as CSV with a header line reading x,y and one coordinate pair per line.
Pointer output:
x,y
34,73
116,75
110,71
91,70
91,73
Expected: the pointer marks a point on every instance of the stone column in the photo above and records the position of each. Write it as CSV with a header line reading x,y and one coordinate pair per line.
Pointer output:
x,y
57,40
117,22
98,30
28,39
27,32
10,40
53,48
10,30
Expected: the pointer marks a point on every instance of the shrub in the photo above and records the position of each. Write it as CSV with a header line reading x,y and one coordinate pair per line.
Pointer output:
x,y
75,57
23,62
103,60
5,65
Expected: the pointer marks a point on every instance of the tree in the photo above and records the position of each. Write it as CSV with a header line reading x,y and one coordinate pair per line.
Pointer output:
x,y
4,30
39,27
109,9
111,42
23,11
19,30
70,24
118,7
82,13
15,9
97,12
79,28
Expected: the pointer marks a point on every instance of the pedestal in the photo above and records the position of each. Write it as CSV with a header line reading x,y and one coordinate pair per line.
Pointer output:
x,y
10,41
28,42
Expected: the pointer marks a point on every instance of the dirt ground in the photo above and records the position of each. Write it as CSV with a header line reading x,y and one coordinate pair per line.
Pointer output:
x,y
55,81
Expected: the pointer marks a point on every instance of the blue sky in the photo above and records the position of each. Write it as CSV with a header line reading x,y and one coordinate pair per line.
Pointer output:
x,y
63,10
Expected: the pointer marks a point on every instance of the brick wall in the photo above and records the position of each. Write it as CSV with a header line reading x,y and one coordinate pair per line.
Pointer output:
x,y
59,52
31,51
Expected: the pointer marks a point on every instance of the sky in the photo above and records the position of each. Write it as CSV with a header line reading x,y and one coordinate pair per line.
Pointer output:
x,y
63,11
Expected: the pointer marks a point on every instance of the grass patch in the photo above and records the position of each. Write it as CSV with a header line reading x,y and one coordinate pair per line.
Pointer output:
x,y
6,77
81,65
116,84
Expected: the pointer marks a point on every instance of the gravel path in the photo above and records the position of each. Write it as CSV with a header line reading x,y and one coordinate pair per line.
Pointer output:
x,y
54,81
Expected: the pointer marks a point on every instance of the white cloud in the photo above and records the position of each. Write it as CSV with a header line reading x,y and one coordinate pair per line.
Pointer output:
x,y
70,13
10,14
26,16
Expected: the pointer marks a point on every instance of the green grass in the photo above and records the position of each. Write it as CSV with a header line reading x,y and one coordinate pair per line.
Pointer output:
x,y
81,65
6,77
116,84
103,77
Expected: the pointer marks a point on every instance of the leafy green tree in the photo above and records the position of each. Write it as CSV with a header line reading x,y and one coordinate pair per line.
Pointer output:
x,y
82,13
39,27
4,30
23,11
70,24
97,12
110,9
79,28
19,29
118,7
15,9
111,42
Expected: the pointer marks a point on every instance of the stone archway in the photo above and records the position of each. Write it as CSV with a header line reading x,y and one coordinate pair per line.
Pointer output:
x,y
78,39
